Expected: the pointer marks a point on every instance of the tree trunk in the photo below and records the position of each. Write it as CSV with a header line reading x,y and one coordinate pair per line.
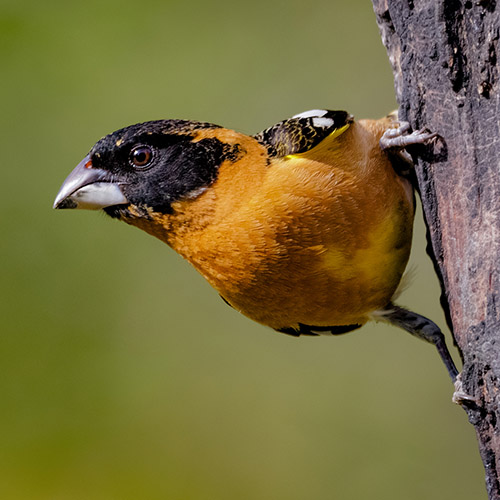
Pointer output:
x,y
444,58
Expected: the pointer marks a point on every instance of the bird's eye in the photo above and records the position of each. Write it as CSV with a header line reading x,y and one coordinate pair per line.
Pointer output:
x,y
141,156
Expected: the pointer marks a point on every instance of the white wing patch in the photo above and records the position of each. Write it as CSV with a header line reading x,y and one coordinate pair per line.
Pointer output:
x,y
322,122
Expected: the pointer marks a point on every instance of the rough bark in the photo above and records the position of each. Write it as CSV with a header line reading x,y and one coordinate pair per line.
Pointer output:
x,y
444,56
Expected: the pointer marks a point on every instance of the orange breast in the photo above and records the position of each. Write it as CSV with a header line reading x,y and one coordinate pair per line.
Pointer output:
x,y
320,238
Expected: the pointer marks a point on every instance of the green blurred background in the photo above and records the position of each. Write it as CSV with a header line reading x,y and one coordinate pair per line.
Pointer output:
x,y
122,374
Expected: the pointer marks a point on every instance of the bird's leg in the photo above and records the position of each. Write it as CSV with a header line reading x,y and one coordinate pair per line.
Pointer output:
x,y
422,328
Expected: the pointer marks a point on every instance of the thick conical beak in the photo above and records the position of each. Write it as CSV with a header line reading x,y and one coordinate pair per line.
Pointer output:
x,y
90,188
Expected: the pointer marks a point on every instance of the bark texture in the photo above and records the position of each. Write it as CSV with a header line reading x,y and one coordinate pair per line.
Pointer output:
x,y
444,55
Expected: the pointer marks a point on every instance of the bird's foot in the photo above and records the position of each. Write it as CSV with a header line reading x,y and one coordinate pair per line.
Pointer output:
x,y
460,397
398,138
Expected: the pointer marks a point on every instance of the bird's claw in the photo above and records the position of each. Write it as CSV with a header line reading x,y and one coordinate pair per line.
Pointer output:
x,y
460,397
398,138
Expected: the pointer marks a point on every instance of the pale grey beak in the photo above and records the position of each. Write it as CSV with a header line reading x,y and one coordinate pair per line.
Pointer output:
x,y
89,188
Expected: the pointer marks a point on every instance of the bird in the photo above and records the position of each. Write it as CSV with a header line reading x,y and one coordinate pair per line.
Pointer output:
x,y
304,227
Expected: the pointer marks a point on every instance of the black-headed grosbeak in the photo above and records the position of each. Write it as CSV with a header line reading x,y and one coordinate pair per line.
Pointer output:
x,y
305,227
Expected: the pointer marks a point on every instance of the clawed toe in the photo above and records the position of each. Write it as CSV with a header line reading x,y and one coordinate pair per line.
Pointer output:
x,y
460,397
398,138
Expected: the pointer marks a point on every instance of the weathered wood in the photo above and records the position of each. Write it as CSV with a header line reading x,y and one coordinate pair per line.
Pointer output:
x,y
444,55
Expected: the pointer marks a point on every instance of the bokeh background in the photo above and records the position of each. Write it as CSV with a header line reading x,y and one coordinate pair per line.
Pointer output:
x,y
122,374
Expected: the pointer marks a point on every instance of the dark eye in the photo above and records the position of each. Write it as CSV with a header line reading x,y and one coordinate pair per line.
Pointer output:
x,y
141,156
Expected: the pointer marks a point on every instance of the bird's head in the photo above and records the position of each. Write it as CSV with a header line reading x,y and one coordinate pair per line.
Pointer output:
x,y
143,171
147,166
